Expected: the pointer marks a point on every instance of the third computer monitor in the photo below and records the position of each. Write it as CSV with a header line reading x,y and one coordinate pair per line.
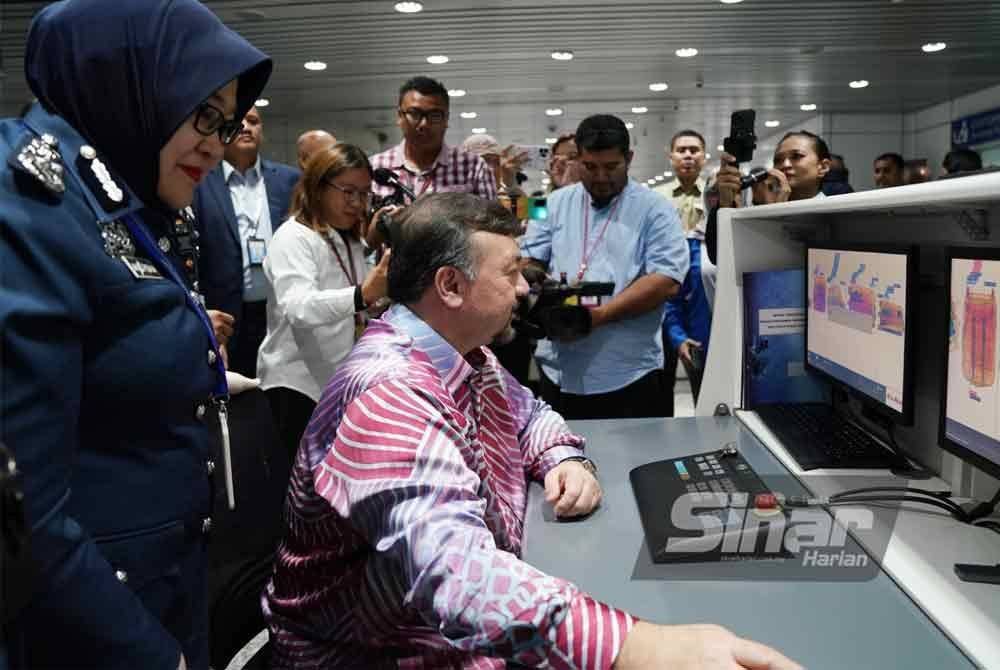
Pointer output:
x,y
970,407
859,322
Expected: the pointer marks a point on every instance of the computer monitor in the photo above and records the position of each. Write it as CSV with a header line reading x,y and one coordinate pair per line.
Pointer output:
x,y
970,399
859,323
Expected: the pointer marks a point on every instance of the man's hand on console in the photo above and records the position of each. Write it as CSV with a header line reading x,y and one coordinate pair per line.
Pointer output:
x,y
572,489
698,647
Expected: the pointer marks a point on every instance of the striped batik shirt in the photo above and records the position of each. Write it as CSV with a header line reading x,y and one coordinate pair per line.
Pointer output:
x,y
454,170
404,520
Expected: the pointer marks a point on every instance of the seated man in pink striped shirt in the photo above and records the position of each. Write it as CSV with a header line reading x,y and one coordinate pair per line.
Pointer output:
x,y
405,510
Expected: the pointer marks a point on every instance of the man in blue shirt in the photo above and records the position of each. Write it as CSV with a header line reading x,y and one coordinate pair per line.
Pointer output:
x,y
608,228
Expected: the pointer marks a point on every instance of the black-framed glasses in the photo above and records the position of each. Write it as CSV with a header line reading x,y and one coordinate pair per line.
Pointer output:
x,y
433,116
210,119
364,197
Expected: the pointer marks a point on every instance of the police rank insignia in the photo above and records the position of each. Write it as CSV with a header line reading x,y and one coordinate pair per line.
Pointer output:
x,y
118,244
40,158
98,178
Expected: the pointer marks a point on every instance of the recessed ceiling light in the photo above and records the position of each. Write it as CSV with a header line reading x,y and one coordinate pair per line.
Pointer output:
x,y
315,65
650,181
640,110
707,156
668,173
554,111
408,7
933,47
562,55
629,125
546,181
437,60
686,53
456,92
859,83
808,107
773,123
720,148
658,86
261,102
478,130
550,140
468,115
731,2
659,177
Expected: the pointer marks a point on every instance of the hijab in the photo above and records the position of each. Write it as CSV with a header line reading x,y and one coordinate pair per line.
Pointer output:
x,y
127,73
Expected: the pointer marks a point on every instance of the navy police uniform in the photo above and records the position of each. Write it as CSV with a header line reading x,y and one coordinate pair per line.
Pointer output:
x,y
107,374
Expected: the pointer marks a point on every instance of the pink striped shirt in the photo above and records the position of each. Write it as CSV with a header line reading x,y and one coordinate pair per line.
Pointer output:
x,y
453,170
405,517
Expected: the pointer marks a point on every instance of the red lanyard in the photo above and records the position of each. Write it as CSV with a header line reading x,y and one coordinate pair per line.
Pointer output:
x,y
350,274
584,254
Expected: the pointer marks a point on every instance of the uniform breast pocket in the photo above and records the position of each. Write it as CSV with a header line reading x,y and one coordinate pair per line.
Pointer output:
x,y
142,557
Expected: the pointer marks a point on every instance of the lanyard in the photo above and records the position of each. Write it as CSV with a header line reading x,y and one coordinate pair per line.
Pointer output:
x,y
584,254
351,274
221,392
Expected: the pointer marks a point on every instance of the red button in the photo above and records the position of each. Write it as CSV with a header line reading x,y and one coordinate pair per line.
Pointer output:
x,y
765,501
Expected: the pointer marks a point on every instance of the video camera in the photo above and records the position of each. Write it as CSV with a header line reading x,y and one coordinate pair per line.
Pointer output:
x,y
557,310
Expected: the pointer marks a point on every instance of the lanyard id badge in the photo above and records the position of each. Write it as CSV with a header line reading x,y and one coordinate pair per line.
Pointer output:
x,y
256,251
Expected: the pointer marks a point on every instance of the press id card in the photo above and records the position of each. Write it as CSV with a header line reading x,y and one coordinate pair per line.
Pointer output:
x,y
256,250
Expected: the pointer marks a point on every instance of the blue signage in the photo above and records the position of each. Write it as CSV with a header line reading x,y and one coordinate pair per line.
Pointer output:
x,y
977,129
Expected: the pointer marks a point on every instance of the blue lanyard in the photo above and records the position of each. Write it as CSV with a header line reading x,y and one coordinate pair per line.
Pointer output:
x,y
165,266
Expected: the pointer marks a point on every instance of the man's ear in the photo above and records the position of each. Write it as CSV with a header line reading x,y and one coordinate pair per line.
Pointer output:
x,y
451,286
629,155
824,167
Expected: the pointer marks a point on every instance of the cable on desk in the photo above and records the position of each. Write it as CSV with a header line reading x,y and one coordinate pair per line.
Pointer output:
x,y
951,507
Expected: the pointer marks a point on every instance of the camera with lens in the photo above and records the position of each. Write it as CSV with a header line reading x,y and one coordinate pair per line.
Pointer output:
x,y
556,309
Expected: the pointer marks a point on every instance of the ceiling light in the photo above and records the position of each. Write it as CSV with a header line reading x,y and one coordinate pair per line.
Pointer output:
x,y
408,7
659,177
808,107
773,123
550,140
437,60
859,83
640,110
650,181
546,181
456,92
731,2
658,86
562,55
933,47
315,65
720,148
668,173
261,102
629,125
707,156
468,115
554,111
686,53
478,131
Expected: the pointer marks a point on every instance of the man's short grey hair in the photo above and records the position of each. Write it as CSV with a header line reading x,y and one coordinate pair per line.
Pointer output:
x,y
435,232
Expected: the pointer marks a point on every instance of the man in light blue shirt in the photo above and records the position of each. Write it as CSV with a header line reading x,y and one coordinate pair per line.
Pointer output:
x,y
608,228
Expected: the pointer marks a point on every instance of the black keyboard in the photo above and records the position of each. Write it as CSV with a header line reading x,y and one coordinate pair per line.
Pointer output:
x,y
818,437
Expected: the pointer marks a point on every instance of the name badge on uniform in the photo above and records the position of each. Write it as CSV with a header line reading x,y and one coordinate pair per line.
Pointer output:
x,y
140,267
256,251
590,300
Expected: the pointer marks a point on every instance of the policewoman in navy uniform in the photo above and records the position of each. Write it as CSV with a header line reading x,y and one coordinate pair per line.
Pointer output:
x,y
109,360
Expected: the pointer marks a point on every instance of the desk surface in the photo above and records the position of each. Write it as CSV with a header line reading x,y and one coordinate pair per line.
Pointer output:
x,y
869,624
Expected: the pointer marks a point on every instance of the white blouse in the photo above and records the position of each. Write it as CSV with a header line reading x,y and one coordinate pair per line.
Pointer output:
x,y
310,308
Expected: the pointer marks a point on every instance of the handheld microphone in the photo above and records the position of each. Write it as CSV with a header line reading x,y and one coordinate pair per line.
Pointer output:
x,y
386,177
757,175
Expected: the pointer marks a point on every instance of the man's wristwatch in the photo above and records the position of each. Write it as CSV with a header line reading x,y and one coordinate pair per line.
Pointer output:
x,y
588,464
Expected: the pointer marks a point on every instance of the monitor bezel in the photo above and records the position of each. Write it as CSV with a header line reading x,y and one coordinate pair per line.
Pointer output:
x,y
965,253
904,417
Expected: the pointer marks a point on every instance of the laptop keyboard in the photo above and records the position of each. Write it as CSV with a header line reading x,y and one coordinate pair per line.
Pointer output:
x,y
818,437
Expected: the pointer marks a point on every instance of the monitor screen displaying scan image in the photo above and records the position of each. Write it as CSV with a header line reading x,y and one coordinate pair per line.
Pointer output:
x,y
859,322
970,411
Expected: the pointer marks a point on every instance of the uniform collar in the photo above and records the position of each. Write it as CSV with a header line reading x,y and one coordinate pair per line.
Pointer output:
x,y
70,142
453,368
675,186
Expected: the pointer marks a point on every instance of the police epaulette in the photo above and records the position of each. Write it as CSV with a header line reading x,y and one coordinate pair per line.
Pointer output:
x,y
95,174
39,158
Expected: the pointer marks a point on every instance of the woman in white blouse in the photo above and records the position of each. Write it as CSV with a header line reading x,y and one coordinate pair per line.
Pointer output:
x,y
318,291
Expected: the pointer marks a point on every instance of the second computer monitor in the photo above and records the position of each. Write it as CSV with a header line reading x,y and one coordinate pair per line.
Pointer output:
x,y
859,322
